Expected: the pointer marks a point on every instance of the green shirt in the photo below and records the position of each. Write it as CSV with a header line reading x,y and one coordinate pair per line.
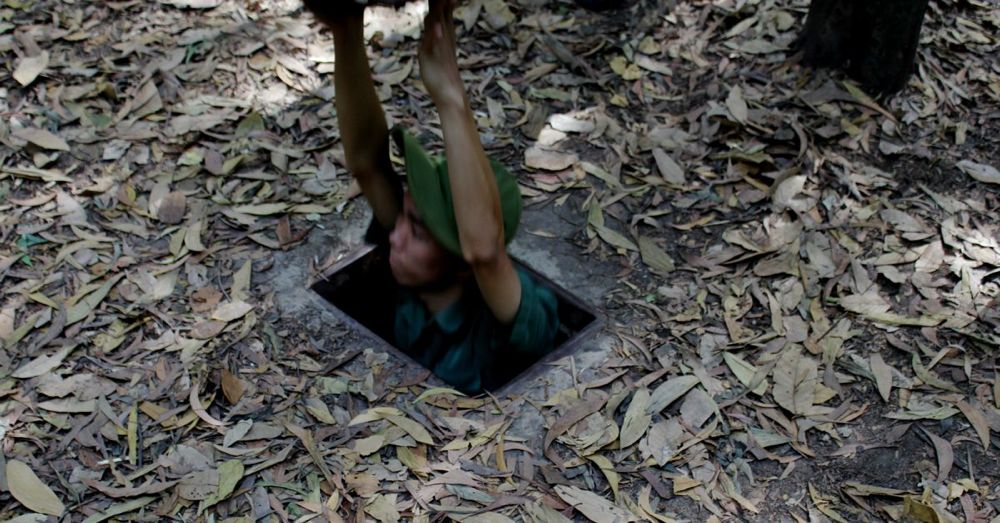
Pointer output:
x,y
466,346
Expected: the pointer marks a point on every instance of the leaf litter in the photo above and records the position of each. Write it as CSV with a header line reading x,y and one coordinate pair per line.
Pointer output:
x,y
811,289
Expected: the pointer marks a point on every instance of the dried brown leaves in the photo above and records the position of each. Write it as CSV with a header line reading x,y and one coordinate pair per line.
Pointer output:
x,y
813,272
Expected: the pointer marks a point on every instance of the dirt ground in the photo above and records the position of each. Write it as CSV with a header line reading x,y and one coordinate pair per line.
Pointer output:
x,y
798,281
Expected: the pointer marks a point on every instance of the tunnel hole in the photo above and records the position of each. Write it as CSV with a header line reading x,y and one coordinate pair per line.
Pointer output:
x,y
360,290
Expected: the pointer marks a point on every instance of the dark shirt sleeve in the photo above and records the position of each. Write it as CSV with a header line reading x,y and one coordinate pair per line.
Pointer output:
x,y
537,321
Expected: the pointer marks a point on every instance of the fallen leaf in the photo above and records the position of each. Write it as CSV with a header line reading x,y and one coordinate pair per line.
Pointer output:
x,y
669,392
927,376
980,171
240,289
42,138
25,486
232,387
172,208
230,474
745,373
207,329
978,421
262,209
637,419
231,310
319,410
193,4
43,364
945,454
414,429
30,67
594,507
542,513
199,409
538,158
85,306
69,405
669,169
120,508
737,105
654,256
608,469
382,507
795,379
235,434
883,375
199,485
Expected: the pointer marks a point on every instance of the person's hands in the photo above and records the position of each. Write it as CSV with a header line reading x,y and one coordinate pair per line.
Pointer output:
x,y
437,55
335,12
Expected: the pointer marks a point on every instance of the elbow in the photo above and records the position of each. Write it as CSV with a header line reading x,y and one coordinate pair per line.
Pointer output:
x,y
482,252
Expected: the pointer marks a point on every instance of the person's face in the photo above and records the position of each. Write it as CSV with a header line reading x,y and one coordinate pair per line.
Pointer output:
x,y
416,258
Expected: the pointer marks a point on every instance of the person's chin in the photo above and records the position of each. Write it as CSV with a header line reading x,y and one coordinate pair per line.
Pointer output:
x,y
398,274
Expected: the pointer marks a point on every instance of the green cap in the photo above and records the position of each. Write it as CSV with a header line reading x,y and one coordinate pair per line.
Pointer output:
x,y
427,178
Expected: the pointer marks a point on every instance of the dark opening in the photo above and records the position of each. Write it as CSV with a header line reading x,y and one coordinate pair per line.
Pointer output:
x,y
360,288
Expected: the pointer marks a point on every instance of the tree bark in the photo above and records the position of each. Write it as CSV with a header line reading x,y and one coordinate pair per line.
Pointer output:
x,y
875,40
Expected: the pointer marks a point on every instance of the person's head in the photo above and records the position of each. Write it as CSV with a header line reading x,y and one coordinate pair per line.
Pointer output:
x,y
424,242
416,257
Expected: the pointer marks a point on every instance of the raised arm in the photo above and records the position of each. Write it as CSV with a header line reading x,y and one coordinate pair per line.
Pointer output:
x,y
363,131
473,186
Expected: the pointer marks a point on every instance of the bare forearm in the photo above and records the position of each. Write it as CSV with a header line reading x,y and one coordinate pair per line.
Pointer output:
x,y
474,190
359,113
363,131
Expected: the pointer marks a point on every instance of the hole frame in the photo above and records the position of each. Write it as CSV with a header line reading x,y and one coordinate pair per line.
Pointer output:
x,y
577,337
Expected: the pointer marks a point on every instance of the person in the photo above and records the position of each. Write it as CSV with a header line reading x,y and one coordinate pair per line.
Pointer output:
x,y
462,308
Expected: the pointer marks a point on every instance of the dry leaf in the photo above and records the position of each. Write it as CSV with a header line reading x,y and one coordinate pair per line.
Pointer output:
x,y
199,485
262,209
235,434
42,138
231,310
230,473
979,171
539,158
669,392
25,486
637,419
608,469
945,454
241,282
207,329
199,409
795,380
43,364
193,4
319,410
737,105
671,172
655,257
232,387
30,67
172,208
978,421
883,375
594,507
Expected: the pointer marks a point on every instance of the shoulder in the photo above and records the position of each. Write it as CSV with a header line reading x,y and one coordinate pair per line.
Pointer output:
x,y
537,320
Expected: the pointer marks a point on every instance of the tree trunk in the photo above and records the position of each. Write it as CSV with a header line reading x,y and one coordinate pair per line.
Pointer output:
x,y
876,40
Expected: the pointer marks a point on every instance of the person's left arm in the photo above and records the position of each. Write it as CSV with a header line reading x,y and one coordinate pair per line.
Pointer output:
x,y
473,185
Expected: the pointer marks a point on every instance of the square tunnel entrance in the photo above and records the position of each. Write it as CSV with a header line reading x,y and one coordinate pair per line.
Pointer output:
x,y
359,289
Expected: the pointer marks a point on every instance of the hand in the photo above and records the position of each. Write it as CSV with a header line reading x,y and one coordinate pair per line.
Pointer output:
x,y
437,55
335,12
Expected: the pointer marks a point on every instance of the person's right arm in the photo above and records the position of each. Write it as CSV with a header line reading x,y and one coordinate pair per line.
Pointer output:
x,y
363,131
